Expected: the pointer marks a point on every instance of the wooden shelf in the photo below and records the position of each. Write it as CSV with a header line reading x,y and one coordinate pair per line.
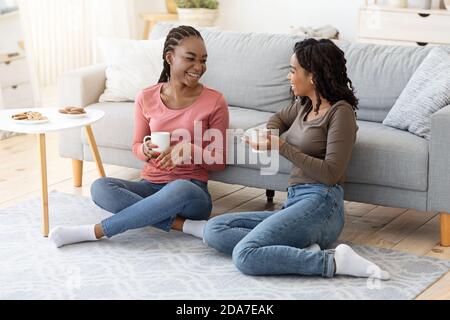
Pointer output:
x,y
8,60
408,10
151,18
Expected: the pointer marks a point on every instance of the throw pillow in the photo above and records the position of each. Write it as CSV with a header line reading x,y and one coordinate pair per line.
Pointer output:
x,y
131,65
426,92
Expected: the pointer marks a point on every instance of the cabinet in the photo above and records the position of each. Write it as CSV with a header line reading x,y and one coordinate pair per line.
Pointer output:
x,y
15,81
18,84
404,26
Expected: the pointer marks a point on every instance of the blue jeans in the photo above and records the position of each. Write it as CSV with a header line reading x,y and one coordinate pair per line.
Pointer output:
x,y
271,243
138,204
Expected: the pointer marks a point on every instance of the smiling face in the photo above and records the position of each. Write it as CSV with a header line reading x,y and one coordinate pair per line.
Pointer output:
x,y
188,61
301,80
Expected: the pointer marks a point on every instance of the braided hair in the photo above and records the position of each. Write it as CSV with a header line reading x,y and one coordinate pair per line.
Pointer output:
x,y
326,62
175,36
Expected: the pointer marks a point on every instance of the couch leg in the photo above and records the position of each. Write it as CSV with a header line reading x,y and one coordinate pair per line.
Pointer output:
x,y
445,229
77,167
270,194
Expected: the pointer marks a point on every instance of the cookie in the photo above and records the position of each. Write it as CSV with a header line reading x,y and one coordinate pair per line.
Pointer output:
x,y
29,115
20,116
72,110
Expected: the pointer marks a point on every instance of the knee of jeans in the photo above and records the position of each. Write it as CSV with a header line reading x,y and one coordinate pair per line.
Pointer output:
x,y
211,234
242,259
186,190
98,187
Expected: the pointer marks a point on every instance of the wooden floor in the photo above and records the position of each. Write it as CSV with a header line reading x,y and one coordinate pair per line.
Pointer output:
x,y
399,229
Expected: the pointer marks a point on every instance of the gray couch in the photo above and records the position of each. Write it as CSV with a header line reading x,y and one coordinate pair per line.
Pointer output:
x,y
389,167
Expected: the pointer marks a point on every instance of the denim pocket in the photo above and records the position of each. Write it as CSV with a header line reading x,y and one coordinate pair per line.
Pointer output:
x,y
335,196
290,192
300,190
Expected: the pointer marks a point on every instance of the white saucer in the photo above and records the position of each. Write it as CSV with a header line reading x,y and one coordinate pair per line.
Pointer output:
x,y
253,150
30,121
258,151
73,116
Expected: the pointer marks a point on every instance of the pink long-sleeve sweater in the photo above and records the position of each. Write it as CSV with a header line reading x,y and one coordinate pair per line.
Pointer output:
x,y
207,116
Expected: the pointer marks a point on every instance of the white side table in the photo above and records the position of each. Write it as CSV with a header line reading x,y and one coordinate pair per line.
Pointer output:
x,y
56,122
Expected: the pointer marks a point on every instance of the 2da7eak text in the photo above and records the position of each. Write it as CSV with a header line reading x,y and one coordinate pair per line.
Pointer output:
x,y
226,309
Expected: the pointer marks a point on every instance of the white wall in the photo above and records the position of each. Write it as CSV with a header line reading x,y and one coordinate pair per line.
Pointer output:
x,y
277,16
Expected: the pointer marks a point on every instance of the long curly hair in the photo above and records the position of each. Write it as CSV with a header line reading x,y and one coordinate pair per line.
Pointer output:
x,y
173,39
326,61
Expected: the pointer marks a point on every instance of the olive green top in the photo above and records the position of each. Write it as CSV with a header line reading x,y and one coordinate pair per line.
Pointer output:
x,y
320,149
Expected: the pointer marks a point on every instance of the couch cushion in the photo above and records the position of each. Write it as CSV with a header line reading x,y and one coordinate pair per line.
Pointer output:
x,y
121,115
389,157
250,69
116,128
247,118
381,156
379,73
427,91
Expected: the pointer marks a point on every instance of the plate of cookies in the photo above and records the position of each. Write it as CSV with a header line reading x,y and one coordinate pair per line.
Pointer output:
x,y
73,112
29,117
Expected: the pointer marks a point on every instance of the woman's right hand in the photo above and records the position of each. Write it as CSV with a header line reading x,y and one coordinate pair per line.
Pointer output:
x,y
147,149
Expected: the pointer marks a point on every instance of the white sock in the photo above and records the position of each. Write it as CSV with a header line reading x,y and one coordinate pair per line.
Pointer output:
x,y
67,235
348,262
194,227
314,248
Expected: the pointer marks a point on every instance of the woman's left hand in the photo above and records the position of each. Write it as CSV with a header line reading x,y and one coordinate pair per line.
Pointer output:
x,y
273,142
174,156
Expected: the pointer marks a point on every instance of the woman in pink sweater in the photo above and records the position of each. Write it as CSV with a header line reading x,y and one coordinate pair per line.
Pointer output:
x,y
173,185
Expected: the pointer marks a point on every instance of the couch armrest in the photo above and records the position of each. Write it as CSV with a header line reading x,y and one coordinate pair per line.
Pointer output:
x,y
439,162
82,87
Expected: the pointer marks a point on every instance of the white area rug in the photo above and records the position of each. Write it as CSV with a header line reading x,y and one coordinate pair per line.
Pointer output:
x,y
150,264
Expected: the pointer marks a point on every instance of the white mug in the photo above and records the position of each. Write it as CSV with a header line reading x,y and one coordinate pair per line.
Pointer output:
x,y
161,139
259,136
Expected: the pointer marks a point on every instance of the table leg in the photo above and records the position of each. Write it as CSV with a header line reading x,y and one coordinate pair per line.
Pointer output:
x,y
42,152
94,150
77,167
445,229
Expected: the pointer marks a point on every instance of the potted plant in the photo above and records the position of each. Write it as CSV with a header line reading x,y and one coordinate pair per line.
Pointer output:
x,y
199,13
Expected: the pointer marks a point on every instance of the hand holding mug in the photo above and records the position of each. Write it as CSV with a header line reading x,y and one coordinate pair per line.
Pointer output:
x,y
175,155
156,143
148,149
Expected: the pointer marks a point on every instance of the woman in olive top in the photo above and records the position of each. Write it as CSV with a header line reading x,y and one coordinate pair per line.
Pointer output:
x,y
320,130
